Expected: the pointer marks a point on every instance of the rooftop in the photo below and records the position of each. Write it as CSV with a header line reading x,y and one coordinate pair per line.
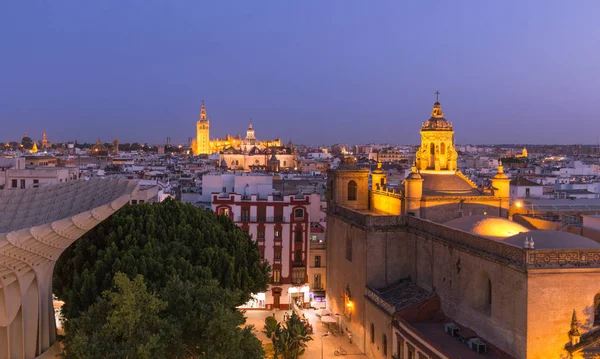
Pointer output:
x,y
451,346
402,294
520,181
446,184
487,226
545,239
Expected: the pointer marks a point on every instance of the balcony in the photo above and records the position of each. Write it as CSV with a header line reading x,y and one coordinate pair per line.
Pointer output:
x,y
318,245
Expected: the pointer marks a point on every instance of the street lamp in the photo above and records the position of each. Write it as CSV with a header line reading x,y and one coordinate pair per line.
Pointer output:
x,y
323,336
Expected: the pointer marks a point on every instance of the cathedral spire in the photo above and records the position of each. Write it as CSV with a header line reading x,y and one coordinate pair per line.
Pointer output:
x,y
574,334
203,111
437,107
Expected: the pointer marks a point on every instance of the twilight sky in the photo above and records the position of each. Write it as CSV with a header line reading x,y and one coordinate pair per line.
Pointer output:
x,y
315,71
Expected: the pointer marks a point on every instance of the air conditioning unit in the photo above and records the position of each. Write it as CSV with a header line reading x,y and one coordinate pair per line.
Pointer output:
x,y
451,329
477,345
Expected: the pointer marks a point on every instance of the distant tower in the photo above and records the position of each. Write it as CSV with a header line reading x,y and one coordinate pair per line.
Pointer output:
x,y
378,177
116,146
202,134
45,143
437,142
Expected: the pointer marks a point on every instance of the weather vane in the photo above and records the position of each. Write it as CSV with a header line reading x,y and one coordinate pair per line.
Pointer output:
x,y
437,95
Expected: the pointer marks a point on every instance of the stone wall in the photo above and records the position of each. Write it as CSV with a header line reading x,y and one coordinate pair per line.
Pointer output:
x,y
382,325
533,292
386,202
552,296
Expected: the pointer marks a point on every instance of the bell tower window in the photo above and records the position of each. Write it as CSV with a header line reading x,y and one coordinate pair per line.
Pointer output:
x,y
352,188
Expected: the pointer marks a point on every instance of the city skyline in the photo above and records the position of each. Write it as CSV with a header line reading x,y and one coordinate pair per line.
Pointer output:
x,y
336,72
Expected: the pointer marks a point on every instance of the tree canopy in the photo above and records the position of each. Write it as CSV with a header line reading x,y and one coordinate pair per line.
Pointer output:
x,y
197,266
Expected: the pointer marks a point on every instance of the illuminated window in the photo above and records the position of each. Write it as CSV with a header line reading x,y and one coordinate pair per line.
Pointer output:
x,y
352,191
277,234
224,211
298,275
276,275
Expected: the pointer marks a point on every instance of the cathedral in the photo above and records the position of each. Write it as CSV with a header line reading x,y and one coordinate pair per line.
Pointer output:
x,y
203,145
436,269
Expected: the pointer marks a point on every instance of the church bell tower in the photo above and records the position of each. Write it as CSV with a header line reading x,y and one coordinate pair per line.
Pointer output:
x,y
202,145
437,151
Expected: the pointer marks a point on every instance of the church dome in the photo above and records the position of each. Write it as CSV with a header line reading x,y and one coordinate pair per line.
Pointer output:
x,y
486,226
545,239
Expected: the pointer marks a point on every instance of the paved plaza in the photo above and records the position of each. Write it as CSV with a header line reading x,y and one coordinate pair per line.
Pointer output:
x,y
330,342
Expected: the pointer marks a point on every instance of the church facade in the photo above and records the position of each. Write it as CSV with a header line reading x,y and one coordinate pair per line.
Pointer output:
x,y
203,145
422,271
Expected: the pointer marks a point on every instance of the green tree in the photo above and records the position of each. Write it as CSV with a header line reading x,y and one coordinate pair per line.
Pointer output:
x,y
121,324
289,339
200,265
27,142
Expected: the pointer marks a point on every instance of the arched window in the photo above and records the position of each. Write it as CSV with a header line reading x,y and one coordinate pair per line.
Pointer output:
x,y
351,191
299,213
597,309
443,148
372,333
432,148
483,293
384,344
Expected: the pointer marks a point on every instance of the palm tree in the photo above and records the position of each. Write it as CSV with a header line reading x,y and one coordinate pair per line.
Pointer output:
x,y
288,339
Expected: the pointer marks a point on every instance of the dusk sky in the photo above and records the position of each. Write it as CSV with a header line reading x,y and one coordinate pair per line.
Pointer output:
x,y
318,72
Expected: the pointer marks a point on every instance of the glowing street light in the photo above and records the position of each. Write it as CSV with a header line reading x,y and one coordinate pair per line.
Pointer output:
x,y
519,204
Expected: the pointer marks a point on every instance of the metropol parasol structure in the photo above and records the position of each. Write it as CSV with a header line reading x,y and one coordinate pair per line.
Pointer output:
x,y
36,226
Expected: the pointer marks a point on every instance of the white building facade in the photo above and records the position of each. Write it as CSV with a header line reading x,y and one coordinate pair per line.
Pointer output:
x,y
281,227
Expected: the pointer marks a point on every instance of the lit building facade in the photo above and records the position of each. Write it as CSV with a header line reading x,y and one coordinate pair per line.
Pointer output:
x,y
203,145
281,227
404,268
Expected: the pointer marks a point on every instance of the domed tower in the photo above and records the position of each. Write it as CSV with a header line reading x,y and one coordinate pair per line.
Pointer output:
x,y
413,191
378,177
349,185
437,142
501,183
202,145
